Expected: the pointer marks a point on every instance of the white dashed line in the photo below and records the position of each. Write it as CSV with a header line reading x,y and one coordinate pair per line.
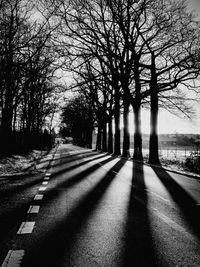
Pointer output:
x,y
13,258
26,228
33,209
38,197
42,188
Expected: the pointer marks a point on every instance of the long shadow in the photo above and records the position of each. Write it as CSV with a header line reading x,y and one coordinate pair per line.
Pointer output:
x,y
11,217
139,249
44,160
77,178
186,203
24,185
68,168
70,158
73,156
74,159
10,221
32,180
50,249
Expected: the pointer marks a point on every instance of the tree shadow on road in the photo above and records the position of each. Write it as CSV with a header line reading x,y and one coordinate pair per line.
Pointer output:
x,y
66,158
187,205
80,176
73,157
49,248
20,185
64,167
139,248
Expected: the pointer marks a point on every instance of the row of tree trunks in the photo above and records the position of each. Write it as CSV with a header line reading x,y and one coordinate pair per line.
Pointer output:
x,y
106,145
136,105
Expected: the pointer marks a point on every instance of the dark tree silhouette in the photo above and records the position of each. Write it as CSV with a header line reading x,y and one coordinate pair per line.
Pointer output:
x,y
78,117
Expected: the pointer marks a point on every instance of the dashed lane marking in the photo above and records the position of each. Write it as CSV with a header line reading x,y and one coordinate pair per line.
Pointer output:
x,y
26,228
38,197
33,209
42,188
13,258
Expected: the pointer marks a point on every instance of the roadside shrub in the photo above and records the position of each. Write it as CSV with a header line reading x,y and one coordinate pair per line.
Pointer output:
x,y
192,163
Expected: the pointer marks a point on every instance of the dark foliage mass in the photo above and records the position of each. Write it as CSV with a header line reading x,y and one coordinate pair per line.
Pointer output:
x,y
78,119
26,72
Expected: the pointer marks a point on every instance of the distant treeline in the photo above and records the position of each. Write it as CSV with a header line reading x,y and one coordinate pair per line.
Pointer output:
x,y
174,140
168,140
179,140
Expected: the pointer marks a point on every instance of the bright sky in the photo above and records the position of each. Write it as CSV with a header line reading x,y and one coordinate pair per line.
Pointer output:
x,y
168,123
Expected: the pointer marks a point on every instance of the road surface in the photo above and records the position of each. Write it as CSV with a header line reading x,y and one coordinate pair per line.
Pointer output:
x,y
92,209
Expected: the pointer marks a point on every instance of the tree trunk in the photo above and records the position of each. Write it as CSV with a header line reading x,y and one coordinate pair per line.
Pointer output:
x,y
99,135
14,127
153,142
137,134
126,138
90,138
104,139
137,114
110,136
6,127
117,145
7,116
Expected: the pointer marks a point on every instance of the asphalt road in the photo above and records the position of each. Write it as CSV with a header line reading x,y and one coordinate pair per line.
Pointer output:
x,y
91,209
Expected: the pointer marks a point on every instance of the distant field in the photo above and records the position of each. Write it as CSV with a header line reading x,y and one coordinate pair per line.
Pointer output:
x,y
173,153
179,153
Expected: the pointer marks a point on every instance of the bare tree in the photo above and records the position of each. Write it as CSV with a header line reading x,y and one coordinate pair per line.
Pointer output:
x,y
26,63
170,36
148,48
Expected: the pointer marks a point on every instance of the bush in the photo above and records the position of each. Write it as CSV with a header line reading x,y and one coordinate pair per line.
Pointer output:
x,y
193,162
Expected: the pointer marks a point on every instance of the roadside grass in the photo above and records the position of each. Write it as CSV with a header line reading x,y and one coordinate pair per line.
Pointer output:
x,y
19,163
